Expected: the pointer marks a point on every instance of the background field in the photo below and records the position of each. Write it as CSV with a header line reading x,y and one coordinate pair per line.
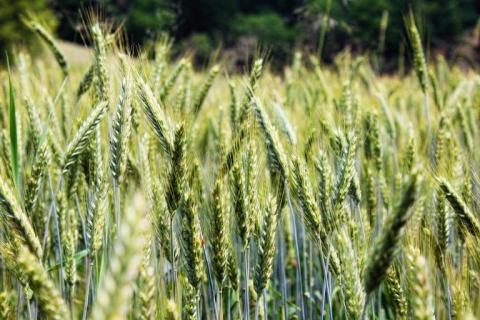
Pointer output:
x,y
143,187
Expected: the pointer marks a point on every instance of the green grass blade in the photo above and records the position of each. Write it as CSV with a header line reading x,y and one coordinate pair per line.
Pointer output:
x,y
77,257
13,131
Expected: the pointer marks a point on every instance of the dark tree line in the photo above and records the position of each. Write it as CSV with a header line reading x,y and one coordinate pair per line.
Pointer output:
x,y
276,25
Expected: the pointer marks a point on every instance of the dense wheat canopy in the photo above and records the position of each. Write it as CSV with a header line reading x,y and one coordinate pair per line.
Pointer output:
x,y
139,188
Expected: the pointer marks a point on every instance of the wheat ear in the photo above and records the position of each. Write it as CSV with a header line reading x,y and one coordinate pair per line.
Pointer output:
x,y
116,288
81,139
17,221
386,245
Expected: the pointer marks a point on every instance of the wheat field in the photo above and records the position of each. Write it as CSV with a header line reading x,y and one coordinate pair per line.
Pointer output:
x,y
142,188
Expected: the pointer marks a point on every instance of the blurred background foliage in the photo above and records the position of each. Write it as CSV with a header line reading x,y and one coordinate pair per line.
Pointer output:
x,y
15,33
240,27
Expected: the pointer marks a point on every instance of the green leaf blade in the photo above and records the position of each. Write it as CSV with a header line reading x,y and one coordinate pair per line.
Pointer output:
x,y
13,131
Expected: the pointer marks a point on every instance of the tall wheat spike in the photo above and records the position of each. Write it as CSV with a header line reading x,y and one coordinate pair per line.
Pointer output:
x,y
275,153
30,272
464,215
155,116
190,242
81,139
101,72
16,220
51,43
116,288
421,299
386,245
303,192
121,130
218,233
266,247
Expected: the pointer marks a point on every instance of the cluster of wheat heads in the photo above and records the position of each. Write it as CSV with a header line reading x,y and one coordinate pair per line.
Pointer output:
x,y
139,188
